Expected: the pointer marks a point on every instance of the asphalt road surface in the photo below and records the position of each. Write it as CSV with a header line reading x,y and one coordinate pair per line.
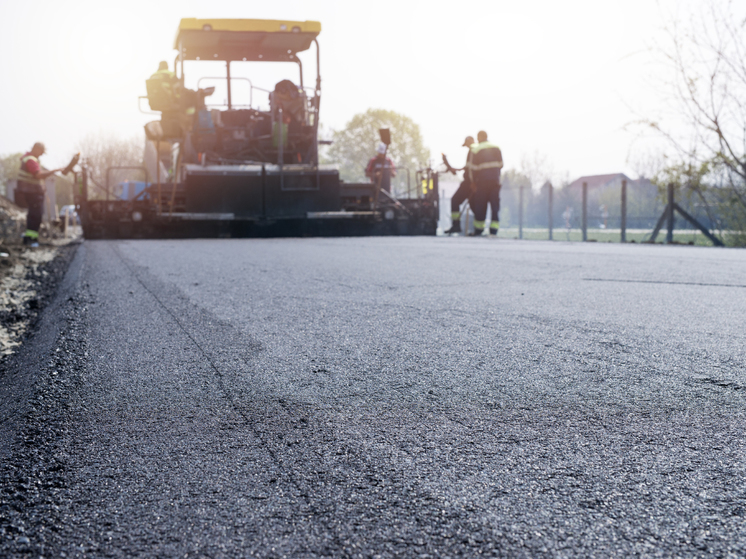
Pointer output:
x,y
387,397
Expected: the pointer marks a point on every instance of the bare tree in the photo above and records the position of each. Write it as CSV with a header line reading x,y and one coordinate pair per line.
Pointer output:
x,y
537,168
648,163
103,151
706,53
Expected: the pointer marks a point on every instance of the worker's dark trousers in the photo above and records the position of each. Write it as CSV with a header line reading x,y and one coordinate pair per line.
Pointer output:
x,y
386,180
486,193
463,192
35,210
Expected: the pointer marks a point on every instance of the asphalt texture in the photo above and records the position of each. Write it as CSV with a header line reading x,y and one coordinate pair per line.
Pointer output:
x,y
383,397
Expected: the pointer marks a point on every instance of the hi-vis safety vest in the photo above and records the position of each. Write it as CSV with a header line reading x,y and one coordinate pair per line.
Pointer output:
x,y
167,76
486,162
169,85
25,176
164,74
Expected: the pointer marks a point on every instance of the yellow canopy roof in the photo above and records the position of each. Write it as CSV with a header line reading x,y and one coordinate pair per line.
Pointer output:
x,y
244,39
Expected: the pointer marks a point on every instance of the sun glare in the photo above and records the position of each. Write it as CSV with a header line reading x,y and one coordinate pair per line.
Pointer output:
x,y
102,57
103,46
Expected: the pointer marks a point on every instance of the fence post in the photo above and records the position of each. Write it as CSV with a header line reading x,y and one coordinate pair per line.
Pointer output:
x,y
624,211
585,211
550,188
520,212
669,214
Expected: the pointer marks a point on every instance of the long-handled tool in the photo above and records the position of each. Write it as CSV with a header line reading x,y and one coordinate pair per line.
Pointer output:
x,y
385,135
73,163
450,169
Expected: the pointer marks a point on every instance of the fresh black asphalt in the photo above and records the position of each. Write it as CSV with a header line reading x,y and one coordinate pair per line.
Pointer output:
x,y
381,397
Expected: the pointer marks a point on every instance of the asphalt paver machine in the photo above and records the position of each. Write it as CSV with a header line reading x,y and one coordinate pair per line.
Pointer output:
x,y
238,168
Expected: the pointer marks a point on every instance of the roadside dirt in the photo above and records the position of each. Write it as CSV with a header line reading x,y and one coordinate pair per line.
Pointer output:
x,y
27,276
27,281
12,222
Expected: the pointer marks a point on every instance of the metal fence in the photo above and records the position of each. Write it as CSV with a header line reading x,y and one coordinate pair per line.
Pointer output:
x,y
621,213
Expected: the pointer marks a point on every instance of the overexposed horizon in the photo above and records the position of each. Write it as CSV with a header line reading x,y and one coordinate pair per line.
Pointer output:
x,y
561,80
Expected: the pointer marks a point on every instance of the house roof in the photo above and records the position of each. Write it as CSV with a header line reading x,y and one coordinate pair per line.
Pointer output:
x,y
601,180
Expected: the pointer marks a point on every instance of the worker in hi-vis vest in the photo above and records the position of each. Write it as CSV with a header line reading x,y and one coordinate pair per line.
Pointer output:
x,y
168,92
30,192
465,191
486,162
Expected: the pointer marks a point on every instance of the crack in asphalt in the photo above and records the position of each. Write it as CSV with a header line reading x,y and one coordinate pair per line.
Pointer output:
x,y
664,282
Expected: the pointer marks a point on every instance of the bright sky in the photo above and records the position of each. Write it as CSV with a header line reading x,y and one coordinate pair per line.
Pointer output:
x,y
560,78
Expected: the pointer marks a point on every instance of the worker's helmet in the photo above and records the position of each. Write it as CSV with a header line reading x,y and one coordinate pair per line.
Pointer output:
x,y
468,141
482,136
381,148
162,65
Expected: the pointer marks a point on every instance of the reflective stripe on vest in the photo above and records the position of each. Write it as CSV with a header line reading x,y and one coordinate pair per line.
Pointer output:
x,y
164,74
25,176
169,83
476,148
488,165
481,152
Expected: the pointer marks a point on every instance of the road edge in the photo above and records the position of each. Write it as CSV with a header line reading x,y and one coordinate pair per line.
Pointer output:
x,y
23,370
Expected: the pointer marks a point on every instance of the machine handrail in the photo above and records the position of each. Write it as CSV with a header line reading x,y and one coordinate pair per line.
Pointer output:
x,y
139,106
251,88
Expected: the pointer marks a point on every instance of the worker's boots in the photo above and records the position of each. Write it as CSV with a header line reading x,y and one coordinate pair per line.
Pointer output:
x,y
493,231
455,228
30,241
476,233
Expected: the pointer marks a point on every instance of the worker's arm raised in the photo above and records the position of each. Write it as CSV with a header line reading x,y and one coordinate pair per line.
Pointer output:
x,y
45,174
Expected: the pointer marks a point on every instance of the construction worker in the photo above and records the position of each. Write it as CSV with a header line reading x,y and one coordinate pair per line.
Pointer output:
x,y
167,93
464,192
381,168
486,162
30,192
176,104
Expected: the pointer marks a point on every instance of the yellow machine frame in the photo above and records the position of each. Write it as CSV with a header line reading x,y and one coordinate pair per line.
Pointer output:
x,y
244,39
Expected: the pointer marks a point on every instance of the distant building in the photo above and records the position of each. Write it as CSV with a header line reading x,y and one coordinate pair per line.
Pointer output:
x,y
614,180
